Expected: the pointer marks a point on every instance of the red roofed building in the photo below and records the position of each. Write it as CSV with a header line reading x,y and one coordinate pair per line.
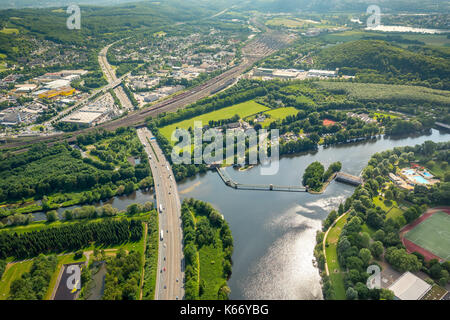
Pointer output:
x,y
327,122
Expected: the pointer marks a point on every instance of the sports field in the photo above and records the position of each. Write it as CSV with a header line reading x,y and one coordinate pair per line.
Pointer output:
x,y
433,234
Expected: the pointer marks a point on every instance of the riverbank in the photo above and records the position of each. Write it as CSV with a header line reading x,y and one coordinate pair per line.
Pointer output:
x,y
370,230
208,255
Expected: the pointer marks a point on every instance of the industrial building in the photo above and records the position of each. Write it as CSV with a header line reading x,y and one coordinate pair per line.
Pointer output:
x,y
313,73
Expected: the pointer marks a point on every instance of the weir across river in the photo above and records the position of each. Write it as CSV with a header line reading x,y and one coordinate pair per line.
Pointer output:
x,y
340,177
258,187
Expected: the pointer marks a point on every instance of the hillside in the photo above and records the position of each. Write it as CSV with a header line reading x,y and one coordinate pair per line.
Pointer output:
x,y
380,61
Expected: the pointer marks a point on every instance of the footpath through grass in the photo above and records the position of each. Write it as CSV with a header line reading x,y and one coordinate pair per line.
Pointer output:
x,y
13,272
336,275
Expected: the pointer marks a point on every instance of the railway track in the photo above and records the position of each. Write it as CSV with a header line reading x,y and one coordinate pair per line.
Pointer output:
x,y
253,52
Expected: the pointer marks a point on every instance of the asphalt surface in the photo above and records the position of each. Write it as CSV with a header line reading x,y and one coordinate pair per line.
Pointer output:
x,y
63,292
170,275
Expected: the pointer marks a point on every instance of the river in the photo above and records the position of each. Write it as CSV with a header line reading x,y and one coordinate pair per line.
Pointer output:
x,y
274,232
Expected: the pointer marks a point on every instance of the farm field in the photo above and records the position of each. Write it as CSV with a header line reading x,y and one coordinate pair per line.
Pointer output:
x,y
433,234
244,110
13,272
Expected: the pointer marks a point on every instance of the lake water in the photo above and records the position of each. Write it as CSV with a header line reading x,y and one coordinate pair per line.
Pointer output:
x,y
274,232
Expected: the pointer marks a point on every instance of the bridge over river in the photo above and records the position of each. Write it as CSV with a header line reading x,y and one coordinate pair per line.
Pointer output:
x,y
340,177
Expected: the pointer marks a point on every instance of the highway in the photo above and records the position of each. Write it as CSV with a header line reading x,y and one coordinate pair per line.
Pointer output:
x,y
170,273
254,51
113,82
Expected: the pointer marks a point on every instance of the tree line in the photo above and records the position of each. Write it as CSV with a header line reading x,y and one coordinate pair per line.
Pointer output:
x,y
200,234
70,237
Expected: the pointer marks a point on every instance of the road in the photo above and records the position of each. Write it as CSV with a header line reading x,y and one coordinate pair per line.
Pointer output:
x,y
110,75
170,274
254,51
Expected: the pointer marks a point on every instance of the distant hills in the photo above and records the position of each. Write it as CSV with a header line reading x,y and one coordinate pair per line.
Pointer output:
x,y
15,4
361,6
265,5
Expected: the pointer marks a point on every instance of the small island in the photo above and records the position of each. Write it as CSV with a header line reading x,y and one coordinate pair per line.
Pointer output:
x,y
316,179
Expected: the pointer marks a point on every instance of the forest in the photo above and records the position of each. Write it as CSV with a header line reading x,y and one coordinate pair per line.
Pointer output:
x,y
381,62
69,237
59,171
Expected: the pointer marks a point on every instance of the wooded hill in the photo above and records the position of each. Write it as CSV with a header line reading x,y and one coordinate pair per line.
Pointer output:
x,y
380,61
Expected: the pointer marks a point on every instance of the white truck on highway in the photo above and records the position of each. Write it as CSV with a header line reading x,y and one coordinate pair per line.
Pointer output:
x,y
160,208
162,235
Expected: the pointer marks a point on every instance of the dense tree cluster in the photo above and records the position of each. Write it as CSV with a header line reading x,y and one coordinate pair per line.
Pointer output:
x,y
33,285
200,234
123,276
315,174
70,237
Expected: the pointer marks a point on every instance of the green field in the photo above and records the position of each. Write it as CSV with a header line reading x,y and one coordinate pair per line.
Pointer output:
x,y
336,275
384,114
211,270
289,23
9,31
14,272
433,234
279,114
244,110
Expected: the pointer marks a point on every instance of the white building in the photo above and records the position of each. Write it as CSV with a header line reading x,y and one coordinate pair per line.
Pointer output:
x,y
57,84
409,287
313,73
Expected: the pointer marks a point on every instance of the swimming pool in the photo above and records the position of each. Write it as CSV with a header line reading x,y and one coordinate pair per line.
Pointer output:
x,y
426,174
410,172
420,179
